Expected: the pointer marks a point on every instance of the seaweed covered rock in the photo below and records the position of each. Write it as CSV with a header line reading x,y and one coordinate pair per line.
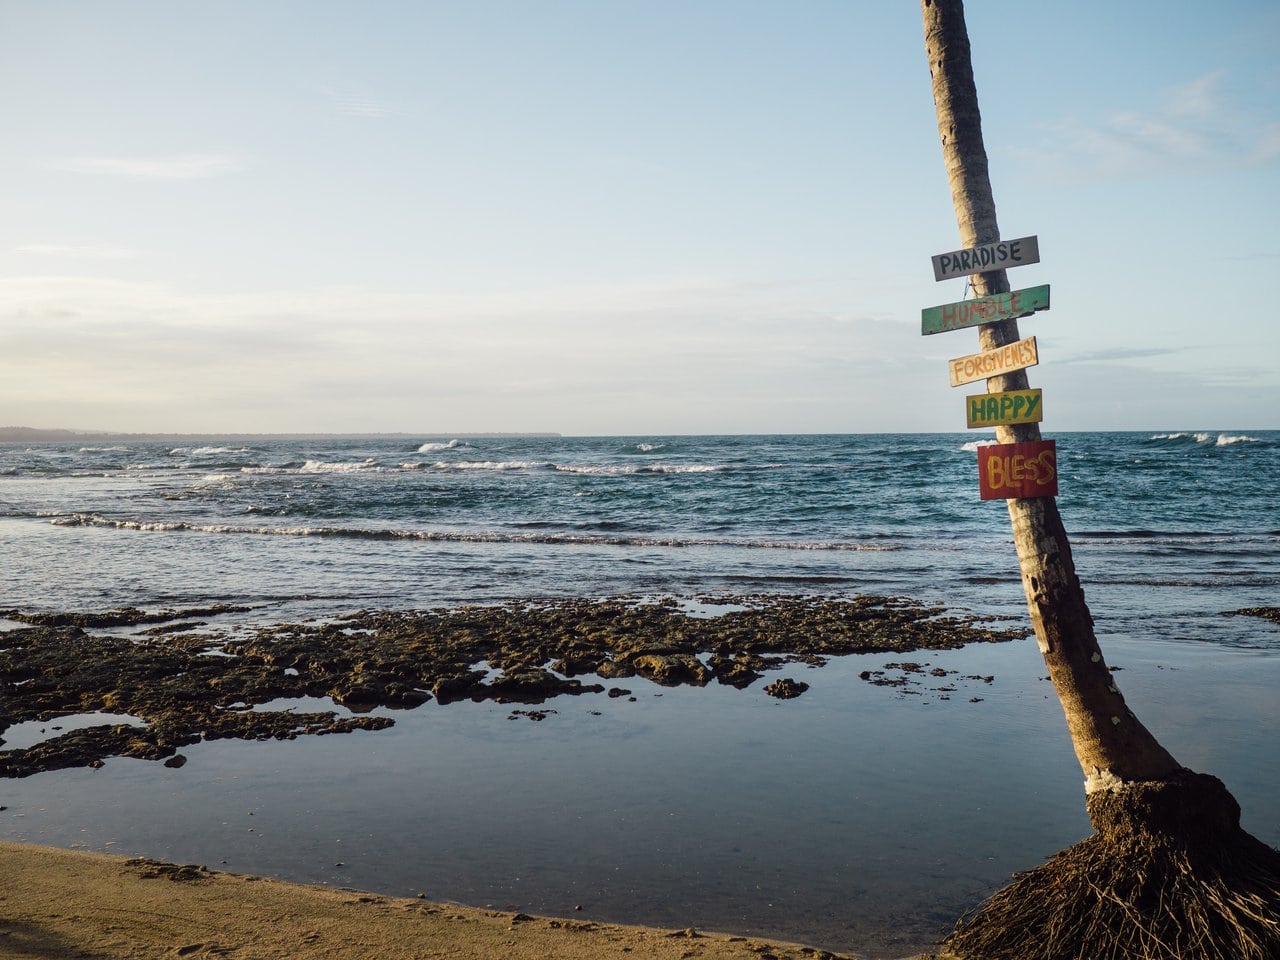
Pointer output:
x,y
180,686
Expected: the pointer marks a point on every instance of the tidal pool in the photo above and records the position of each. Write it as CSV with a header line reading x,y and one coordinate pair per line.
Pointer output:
x,y
855,817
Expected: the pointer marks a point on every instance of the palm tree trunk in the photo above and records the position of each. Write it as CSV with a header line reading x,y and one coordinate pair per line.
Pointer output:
x,y
1168,873
1113,747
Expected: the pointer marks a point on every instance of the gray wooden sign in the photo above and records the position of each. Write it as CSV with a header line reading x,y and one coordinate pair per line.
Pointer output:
x,y
989,256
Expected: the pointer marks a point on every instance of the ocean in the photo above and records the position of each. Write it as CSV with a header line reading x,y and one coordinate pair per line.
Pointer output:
x,y
852,817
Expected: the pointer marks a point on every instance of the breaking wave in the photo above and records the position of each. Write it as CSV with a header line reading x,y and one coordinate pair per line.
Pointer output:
x,y
1218,440
449,536
431,447
319,466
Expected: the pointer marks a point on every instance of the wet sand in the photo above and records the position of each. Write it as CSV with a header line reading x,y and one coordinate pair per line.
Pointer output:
x,y
59,903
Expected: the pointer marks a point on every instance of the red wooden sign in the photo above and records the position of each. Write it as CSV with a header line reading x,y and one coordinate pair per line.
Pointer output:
x,y
1009,471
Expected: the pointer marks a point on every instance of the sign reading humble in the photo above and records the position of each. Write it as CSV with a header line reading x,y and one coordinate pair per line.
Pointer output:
x,y
980,310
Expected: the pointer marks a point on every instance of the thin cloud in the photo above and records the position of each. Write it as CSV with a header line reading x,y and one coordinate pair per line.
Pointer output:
x,y
361,107
193,166
1117,355
350,105
1195,130
76,251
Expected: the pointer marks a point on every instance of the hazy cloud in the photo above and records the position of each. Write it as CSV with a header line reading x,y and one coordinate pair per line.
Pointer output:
x,y
1116,354
193,166
1195,129
76,251
354,105
643,353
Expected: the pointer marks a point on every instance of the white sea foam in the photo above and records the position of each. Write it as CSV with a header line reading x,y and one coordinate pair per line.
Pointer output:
x,y
104,449
493,465
973,445
437,447
1218,440
214,481
450,536
265,469
320,466
623,470
214,451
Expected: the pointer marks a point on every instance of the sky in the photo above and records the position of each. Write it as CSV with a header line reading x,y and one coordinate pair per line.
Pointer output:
x,y
604,217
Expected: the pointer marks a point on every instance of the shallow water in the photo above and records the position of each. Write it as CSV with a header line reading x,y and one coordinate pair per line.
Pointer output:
x,y
852,818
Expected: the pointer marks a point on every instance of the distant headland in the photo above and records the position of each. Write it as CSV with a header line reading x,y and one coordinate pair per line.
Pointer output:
x,y
39,435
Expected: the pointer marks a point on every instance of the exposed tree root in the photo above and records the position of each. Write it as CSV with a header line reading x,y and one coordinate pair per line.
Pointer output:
x,y
1169,875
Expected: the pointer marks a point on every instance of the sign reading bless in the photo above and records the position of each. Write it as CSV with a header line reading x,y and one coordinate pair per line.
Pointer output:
x,y
1013,470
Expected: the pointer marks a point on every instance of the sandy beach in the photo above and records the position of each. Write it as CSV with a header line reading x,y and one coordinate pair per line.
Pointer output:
x,y
66,904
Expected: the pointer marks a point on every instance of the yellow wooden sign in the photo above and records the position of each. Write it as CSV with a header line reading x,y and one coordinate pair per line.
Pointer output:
x,y
992,363
1003,409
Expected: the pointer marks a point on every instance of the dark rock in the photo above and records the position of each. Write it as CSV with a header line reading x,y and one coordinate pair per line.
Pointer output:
x,y
786,688
670,669
57,666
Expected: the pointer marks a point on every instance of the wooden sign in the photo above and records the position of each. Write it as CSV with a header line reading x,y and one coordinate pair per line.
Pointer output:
x,y
1003,409
1009,471
992,363
971,313
989,256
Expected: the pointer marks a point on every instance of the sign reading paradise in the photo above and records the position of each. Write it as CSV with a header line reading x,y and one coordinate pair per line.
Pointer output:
x,y
1004,409
991,363
989,256
971,313
1009,471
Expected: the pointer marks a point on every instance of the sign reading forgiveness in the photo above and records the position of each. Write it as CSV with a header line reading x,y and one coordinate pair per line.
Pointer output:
x,y
992,363
1009,471
989,256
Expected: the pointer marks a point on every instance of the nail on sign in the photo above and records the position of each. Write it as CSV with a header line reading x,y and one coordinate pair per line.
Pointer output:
x,y
989,256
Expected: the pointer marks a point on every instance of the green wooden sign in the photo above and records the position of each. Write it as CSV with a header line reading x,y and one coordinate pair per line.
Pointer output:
x,y
1003,409
971,313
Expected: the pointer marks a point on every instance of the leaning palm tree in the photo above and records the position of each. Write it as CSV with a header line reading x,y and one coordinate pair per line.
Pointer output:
x,y
1168,872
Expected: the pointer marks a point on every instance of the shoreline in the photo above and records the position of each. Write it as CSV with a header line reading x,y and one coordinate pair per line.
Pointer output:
x,y
57,902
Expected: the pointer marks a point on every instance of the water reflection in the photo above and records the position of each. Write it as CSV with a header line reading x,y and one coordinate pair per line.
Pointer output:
x,y
855,817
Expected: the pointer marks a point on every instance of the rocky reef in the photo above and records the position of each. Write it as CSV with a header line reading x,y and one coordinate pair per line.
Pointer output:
x,y
179,682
